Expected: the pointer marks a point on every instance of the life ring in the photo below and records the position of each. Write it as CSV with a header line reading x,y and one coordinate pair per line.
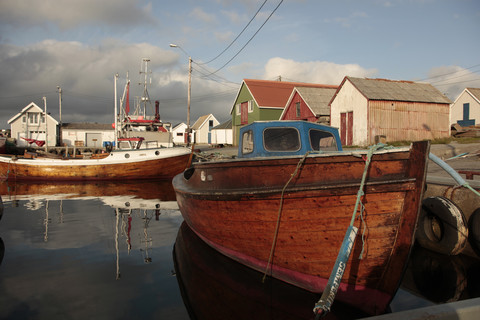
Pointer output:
x,y
442,227
474,230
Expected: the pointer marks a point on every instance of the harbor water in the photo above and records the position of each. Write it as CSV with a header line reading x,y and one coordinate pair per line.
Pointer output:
x,y
122,251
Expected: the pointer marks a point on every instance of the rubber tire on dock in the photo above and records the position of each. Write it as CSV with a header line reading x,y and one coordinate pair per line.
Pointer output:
x,y
442,226
474,231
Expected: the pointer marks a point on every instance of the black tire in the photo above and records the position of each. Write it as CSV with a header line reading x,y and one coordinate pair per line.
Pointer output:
x,y
442,226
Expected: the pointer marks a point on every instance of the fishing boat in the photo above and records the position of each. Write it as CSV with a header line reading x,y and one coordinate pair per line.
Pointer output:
x,y
133,157
155,163
296,207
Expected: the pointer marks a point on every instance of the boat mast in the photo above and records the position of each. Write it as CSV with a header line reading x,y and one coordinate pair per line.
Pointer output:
x,y
145,98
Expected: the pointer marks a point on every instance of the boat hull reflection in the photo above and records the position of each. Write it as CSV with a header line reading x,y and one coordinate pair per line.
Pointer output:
x,y
214,286
147,194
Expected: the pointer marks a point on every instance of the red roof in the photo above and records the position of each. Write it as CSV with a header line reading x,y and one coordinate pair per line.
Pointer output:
x,y
275,94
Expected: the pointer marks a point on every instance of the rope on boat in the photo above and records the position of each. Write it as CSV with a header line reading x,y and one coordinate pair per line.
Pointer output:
x,y
322,307
272,250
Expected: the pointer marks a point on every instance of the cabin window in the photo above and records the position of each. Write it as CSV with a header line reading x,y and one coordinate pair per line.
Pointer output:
x,y
281,139
247,142
297,106
322,140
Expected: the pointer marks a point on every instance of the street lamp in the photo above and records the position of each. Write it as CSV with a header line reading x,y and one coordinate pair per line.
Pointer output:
x,y
189,89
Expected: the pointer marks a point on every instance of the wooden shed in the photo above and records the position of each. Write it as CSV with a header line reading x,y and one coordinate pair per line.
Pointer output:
x,y
372,110
309,104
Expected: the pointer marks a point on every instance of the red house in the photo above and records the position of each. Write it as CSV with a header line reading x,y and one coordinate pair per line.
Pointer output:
x,y
310,104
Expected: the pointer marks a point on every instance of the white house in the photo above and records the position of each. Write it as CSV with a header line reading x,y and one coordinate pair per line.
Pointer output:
x,y
203,127
466,109
368,111
223,133
30,124
178,133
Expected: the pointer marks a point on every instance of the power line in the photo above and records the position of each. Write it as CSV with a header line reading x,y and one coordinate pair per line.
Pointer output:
x,y
248,40
231,43
449,73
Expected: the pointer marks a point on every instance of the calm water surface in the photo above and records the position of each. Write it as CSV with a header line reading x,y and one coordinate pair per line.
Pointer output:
x,y
121,251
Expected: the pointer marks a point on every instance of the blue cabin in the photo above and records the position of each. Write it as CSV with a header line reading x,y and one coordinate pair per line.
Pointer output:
x,y
286,138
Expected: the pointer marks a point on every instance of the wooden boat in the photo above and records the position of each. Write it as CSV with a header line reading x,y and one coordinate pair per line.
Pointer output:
x,y
155,163
284,205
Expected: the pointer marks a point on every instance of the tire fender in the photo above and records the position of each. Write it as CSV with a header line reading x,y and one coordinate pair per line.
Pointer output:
x,y
442,226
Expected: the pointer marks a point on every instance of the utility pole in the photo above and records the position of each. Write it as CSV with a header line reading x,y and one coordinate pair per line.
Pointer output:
x,y
46,121
60,139
188,97
115,123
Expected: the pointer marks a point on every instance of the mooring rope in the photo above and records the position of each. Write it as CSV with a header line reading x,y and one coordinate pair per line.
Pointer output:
x,y
272,250
322,307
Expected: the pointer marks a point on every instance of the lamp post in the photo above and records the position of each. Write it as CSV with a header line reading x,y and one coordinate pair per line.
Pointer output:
x,y
189,89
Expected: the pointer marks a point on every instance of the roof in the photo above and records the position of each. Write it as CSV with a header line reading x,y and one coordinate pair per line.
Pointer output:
x,y
392,90
200,121
226,125
317,99
474,92
87,126
31,105
275,94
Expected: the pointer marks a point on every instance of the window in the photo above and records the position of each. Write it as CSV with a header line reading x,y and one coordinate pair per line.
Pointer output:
x,y
297,105
281,139
179,134
210,123
247,142
24,119
33,118
238,109
322,140
250,106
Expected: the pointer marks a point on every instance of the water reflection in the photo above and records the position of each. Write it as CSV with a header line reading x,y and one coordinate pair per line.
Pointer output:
x,y
216,287
440,278
89,250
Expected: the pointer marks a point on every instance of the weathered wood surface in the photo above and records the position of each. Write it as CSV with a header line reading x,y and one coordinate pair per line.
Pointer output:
x,y
234,207
162,167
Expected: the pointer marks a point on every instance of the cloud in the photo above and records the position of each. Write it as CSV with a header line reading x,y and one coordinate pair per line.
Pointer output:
x,y
200,14
451,80
68,14
84,72
224,36
314,71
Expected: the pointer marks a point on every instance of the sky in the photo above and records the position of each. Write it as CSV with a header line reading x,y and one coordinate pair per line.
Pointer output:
x,y
80,46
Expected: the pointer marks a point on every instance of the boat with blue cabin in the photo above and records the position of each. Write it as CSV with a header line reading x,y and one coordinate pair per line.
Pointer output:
x,y
296,206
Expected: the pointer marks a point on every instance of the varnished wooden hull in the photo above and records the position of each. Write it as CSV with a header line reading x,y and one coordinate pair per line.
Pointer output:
x,y
120,165
234,207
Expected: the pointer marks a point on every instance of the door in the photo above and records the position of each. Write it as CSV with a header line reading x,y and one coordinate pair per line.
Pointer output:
x,y
343,128
244,115
350,128
94,140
